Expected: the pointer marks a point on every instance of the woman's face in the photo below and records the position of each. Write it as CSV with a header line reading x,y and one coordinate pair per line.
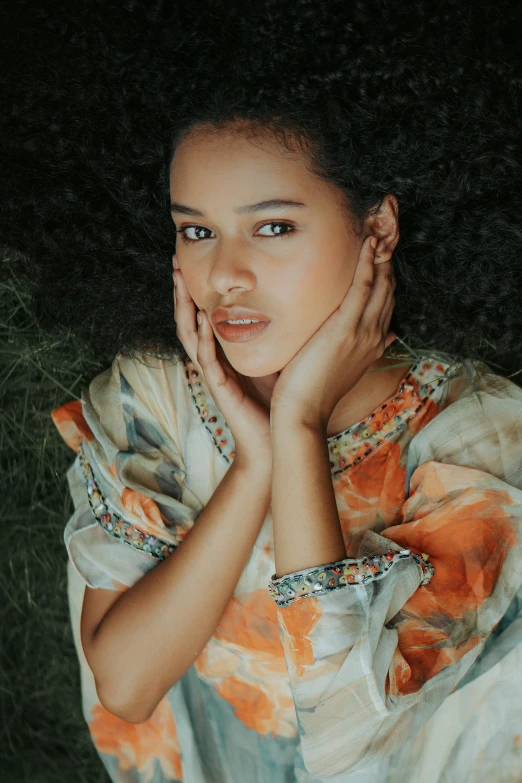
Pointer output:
x,y
294,262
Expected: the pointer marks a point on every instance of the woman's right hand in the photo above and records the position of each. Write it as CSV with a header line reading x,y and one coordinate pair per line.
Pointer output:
x,y
247,419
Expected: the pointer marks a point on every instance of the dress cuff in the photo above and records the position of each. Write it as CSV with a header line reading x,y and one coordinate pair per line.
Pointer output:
x,y
343,574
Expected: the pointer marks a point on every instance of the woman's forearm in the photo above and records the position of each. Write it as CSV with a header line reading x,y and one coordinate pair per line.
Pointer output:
x,y
155,631
307,530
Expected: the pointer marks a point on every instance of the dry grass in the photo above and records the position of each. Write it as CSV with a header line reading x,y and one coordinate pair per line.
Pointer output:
x,y
44,738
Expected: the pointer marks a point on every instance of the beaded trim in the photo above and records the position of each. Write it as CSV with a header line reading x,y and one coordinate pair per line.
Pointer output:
x,y
114,524
209,413
349,447
342,574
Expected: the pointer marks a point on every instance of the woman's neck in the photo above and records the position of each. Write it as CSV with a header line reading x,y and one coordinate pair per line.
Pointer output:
x,y
358,402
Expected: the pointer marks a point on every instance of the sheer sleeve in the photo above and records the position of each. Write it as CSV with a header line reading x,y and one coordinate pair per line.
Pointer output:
x,y
131,506
374,644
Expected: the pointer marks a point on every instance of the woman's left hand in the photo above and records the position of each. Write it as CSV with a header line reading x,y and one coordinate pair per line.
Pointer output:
x,y
338,354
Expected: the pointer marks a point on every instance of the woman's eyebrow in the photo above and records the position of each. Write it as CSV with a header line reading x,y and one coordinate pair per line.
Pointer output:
x,y
275,203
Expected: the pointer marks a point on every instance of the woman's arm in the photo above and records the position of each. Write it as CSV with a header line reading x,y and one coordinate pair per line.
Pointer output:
x,y
159,626
374,647
307,530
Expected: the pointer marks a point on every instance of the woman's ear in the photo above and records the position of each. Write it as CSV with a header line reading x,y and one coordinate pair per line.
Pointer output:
x,y
384,225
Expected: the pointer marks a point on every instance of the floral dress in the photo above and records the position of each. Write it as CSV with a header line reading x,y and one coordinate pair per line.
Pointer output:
x,y
401,663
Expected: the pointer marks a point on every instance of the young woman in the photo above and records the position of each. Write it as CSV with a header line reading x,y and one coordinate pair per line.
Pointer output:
x,y
292,556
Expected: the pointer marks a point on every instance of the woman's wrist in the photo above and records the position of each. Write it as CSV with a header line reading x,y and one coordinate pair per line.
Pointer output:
x,y
258,462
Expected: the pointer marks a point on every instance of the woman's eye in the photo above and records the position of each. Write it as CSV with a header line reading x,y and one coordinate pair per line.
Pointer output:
x,y
277,228
196,230
278,232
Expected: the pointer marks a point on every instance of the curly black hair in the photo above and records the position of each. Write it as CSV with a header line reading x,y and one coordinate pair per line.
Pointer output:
x,y
417,99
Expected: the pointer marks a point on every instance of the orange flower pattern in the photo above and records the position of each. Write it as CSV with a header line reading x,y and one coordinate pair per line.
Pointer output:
x,y
71,425
245,662
469,524
140,745
330,684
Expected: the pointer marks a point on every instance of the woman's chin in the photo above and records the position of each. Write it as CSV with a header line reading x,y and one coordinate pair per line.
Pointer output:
x,y
267,373
252,366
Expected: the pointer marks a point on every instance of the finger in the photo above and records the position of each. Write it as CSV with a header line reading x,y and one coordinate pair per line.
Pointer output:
x,y
207,357
383,286
354,303
384,322
185,314
383,292
390,338
381,325
387,310
384,326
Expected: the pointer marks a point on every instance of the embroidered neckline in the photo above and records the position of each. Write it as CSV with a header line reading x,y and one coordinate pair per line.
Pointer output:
x,y
349,447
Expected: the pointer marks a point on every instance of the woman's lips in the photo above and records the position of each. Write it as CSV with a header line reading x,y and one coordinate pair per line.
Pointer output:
x,y
240,333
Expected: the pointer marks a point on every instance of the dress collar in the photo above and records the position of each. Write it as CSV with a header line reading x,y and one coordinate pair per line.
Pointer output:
x,y
349,447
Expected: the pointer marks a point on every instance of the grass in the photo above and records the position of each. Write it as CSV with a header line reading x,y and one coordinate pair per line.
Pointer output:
x,y
43,737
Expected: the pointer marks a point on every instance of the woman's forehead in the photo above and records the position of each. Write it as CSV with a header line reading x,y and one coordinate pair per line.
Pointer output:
x,y
237,152
237,170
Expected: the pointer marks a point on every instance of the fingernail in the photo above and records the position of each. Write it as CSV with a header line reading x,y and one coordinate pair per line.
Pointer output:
x,y
373,242
199,318
174,278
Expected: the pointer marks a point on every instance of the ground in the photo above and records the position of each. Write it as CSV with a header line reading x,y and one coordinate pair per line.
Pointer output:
x,y
43,738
